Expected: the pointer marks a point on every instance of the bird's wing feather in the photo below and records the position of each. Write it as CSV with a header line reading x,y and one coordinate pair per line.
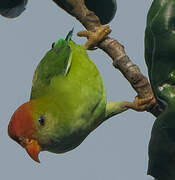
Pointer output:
x,y
55,63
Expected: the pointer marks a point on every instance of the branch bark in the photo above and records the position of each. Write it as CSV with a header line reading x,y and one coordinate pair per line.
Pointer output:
x,y
114,49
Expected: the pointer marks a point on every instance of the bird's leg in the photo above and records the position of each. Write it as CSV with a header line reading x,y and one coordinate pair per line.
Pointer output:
x,y
95,31
94,36
141,104
113,108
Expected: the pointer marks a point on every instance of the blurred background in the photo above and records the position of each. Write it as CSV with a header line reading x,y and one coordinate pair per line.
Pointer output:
x,y
117,150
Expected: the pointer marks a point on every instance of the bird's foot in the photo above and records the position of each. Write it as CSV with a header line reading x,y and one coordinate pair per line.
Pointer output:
x,y
94,37
141,104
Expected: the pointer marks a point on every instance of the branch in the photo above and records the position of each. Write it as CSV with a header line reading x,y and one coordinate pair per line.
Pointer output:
x,y
114,49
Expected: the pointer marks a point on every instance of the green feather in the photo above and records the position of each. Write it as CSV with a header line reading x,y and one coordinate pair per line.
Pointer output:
x,y
55,63
72,100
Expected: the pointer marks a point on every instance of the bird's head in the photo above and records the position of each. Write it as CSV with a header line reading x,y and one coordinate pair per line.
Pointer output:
x,y
22,129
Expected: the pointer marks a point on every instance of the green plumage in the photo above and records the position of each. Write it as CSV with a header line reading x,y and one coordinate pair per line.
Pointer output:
x,y
48,69
160,59
69,93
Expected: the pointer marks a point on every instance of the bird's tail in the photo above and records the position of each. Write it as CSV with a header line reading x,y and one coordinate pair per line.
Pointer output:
x,y
69,35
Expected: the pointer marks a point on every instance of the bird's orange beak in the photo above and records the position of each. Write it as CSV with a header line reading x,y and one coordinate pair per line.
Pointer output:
x,y
21,128
33,149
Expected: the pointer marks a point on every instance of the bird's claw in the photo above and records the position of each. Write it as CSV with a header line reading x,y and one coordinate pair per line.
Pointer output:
x,y
141,104
94,37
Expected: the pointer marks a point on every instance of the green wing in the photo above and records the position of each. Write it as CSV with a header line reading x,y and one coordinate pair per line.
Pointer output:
x,y
55,63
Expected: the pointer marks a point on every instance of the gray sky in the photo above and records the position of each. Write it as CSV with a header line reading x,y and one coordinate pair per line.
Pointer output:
x,y
115,150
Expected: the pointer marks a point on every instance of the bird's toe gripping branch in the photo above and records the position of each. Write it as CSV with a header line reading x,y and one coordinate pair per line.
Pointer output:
x,y
141,104
95,36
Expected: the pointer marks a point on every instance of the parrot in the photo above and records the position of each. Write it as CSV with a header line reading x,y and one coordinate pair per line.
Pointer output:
x,y
12,8
67,102
160,60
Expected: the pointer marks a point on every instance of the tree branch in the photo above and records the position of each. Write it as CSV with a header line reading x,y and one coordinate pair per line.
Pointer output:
x,y
114,49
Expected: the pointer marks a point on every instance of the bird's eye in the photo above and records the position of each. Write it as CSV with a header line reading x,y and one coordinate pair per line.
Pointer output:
x,y
53,44
41,120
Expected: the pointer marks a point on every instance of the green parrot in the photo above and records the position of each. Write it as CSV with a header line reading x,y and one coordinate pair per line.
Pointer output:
x,y
104,9
68,101
12,8
160,60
